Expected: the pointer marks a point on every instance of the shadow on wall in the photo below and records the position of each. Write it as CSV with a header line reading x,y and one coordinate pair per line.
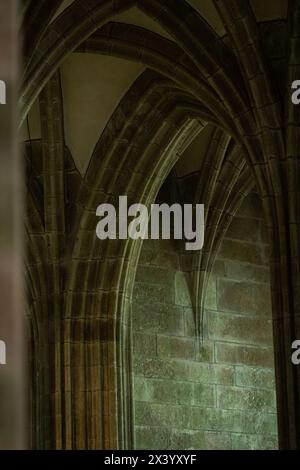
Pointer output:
x,y
220,394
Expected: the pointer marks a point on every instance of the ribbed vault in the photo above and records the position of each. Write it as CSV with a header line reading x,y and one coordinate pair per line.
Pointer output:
x,y
80,289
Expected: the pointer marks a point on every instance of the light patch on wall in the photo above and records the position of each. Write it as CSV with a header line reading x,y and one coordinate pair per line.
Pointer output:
x,y
34,124
93,86
136,17
191,159
2,353
2,92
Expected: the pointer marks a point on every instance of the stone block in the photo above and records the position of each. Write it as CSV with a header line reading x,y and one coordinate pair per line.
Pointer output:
x,y
155,258
204,395
235,296
227,353
182,291
254,442
152,437
192,371
162,415
252,207
155,275
211,293
223,375
233,421
238,271
182,439
153,293
163,391
243,252
199,440
152,367
255,377
219,268
205,351
239,328
168,346
214,419
244,297
144,344
262,299
189,322
240,398
176,369
243,229
157,318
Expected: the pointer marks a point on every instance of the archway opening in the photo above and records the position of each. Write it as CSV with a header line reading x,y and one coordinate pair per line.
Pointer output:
x,y
217,392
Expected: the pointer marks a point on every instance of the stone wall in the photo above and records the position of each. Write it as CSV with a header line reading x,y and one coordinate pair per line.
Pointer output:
x,y
219,394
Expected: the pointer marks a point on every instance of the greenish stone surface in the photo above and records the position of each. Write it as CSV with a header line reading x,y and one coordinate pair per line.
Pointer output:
x,y
217,391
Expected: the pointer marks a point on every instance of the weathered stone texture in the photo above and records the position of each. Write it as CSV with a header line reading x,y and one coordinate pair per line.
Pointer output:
x,y
218,393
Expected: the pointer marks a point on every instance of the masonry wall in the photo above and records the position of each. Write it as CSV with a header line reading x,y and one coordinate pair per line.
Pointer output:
x,y
220,394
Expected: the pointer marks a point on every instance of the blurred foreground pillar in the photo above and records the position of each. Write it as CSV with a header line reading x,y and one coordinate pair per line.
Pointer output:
x,y
12,360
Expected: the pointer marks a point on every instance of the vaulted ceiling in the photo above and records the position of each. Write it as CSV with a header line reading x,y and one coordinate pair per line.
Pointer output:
x,y
93,84
134,89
